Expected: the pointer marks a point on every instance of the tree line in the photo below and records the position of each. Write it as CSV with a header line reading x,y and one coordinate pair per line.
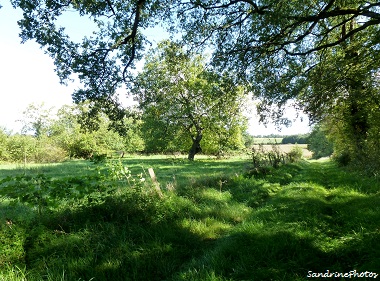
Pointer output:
x,y
53,137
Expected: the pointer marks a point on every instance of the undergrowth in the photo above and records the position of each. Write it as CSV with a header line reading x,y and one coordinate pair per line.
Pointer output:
x,y
300,218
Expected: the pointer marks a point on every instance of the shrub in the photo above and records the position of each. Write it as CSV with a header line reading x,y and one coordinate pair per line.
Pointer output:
x,y
48,152
3,145
83,146
342,159
319,144
98,158
21,148
265,161
295,154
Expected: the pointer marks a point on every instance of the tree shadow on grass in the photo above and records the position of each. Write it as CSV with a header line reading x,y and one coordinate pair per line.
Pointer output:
x,y
258,254
296,228
345,230
329,175
287,242
14,220
117,240
293,229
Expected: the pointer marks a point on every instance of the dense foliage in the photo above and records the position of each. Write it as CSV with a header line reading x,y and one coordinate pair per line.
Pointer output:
x,y
186,106
52,137
242,34
319,144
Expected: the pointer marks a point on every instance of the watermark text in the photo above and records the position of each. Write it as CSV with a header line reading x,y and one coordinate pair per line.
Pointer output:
x,y
351,274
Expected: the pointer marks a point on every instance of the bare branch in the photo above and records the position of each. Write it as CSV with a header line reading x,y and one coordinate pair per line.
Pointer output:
x,y
111,7
257,9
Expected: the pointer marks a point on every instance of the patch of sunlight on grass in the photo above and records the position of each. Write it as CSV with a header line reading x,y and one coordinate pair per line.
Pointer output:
x,y
217,196
254,226
14,273
345,240
303,189
221,205
207,228
72,168
15,211
109,264
202,275
342,194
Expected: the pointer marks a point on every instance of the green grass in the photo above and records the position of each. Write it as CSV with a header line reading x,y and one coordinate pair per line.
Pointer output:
x,y
56,170
215,225
164,166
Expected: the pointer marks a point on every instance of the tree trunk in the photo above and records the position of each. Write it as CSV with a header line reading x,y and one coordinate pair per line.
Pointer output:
x,y
359,125
196,147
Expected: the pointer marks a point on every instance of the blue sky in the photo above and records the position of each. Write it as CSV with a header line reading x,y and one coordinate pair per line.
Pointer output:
x,y
27,75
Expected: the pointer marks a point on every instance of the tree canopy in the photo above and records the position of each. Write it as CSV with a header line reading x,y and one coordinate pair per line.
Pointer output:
x,y
183,101
270,44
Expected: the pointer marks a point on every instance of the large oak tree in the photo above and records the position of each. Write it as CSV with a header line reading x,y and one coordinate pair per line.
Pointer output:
x,y
181,99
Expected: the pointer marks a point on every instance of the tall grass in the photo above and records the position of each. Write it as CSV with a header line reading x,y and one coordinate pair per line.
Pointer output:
x,y
211,224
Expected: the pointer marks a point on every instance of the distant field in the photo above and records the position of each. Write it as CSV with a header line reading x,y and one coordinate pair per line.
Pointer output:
x,y
288,147
268,140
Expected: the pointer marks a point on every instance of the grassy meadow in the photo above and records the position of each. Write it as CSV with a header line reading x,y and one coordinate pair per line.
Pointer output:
x,y
286,148
211,222
267,140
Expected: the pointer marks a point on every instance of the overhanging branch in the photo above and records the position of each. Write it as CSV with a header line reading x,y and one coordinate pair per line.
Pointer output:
x,y
131,37
336,42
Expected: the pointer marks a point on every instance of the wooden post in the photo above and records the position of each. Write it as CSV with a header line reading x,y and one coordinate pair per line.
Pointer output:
x,y
155,182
